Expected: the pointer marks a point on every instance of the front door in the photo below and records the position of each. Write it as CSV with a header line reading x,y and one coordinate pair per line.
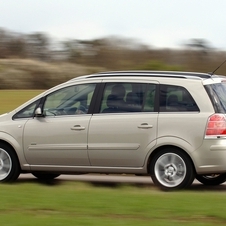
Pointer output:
x,y
59,137
57,140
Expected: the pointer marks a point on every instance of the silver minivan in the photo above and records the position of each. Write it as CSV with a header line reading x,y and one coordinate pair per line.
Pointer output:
x,y
169,125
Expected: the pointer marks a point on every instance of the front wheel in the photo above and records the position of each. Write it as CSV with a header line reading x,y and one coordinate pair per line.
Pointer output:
x,y
211,179
171,169
9,165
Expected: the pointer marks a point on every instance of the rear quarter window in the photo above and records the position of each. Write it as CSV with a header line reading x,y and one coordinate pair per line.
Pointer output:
x,y
176,99
217,95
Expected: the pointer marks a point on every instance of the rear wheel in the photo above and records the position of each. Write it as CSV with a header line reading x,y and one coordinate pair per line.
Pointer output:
x,y
45,176
9,165
171,169
211,179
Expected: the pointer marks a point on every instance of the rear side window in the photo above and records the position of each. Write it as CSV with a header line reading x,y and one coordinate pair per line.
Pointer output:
x,y
128,97
217,94
176,99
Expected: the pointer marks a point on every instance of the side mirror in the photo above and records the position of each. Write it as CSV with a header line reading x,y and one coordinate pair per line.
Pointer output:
x,y
38,112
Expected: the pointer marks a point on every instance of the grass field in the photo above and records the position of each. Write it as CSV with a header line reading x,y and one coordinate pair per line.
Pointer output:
x,y
10,99
74,203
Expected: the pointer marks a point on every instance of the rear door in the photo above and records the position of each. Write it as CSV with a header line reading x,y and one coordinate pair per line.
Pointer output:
x,y
124,128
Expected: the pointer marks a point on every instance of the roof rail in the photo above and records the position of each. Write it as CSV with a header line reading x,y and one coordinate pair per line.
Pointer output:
x,y
169,74
154,73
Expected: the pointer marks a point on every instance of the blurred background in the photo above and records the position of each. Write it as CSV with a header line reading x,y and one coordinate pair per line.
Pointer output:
x,y
44,43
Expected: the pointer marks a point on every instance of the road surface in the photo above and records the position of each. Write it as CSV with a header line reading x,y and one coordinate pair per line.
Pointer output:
x,y
98,178
113,180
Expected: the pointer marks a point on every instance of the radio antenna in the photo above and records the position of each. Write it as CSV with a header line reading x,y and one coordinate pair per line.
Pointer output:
x,y
211,73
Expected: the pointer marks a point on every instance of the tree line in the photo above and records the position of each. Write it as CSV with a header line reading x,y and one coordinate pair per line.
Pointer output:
x,y
107,53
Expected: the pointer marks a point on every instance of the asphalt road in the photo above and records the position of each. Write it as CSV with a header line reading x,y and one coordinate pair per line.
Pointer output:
x,y
114,180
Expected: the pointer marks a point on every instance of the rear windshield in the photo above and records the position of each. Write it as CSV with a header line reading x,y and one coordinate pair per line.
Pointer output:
x,y
217,94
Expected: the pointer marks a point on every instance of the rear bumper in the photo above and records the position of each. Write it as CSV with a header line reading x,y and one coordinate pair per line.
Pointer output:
x,y
211,156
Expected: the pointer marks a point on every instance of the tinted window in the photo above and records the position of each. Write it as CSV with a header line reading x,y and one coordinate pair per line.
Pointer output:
x,y
176,98
128,97
69,101
217,94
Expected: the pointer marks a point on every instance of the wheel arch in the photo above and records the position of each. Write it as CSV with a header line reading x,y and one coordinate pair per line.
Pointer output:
x,y
154,152
17,147
12,148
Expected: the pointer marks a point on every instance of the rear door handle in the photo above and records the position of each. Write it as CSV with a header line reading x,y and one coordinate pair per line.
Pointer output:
x,y
78,127
145,126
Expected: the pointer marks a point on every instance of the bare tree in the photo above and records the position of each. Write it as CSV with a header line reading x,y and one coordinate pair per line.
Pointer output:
x,y
38,46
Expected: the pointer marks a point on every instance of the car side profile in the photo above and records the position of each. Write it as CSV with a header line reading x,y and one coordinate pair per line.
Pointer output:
x,y
169,125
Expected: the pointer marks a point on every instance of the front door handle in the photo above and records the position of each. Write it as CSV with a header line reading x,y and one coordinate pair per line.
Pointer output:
x,y
145,126
78,127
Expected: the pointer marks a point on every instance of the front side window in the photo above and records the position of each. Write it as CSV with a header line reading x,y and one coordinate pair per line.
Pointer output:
x,y
128,97
71,100
176,99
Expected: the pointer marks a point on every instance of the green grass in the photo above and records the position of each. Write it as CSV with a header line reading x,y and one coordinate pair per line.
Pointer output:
x,y
11,99
75,203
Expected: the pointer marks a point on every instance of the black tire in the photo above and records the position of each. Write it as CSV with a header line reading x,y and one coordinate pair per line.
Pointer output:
x,y
45,176
9,164
171,169
211,179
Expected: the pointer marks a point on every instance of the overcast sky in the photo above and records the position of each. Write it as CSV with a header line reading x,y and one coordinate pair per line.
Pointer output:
x,y
159,23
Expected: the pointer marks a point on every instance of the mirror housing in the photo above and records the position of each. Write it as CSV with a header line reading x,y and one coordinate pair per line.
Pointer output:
x,y
38,112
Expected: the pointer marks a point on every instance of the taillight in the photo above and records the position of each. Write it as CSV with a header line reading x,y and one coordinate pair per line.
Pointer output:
x,y
216,125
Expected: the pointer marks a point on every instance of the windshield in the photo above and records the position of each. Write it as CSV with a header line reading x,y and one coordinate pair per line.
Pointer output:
x,y
217,94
